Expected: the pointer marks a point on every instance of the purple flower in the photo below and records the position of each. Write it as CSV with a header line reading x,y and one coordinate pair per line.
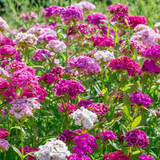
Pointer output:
x,y
146,157
84,103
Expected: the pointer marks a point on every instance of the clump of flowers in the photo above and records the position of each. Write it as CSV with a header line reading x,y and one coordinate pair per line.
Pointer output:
x,y
23,107
136,138
84,143
84,117
71,14
150,66
48,78
3,84
98,108
66,136
28,16
96,18
146,157
3,25
125,63
52,12
102,41
152,52
136,20
115,155
3,134
68,106
104,56
140,99
39,54
27,149
26,39
84,103
85,5
56,46
85,64
7,41
7,51
58,72
69,87
53,149
4,145
76,156
107,135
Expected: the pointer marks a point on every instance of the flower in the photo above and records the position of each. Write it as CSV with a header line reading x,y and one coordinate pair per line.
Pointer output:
x,y
85,5
84,117
69,87
146,157
104,56
98,108
26,39
69,107
53,149
84,63
56,46
28,16
84,143
125,63
136,137
3,134
107,135
48,78
140,99
116,155
23,107
71,13
76,156
84,103
4,144
96,18
67,135
3,25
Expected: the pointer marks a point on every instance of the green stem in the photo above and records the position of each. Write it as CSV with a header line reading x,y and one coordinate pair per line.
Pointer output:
x,y
21,124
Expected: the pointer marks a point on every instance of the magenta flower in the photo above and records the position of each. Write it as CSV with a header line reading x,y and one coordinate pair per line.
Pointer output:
x,y
68,106
146,157
76,156
3,134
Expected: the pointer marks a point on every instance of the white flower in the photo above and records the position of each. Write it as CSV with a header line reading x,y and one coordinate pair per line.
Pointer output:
x,y
85,5
157,25
103,56
26,39
3,25
85,117
53,149
56,46
4,144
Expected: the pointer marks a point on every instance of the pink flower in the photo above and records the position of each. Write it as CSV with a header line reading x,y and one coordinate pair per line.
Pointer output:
x,y
4,144
3,134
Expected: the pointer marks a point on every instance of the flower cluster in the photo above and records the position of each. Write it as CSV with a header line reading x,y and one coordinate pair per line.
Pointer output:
x,y
69,87
26,39
71,14
69,107
98,108
150,66
3,134
67,135
52,11
84,143
53,149
4,145
104,56
7,41
103,41
152,52
107,135
84,117
96,18
28,16
85,5
58,72
85,64
84,103
140,99
146,157
125,63
3,25
40,54
76,156
136,137
116,155
23,106
56,46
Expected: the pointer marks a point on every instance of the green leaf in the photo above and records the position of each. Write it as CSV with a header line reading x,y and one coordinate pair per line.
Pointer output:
x,y
126,99
16,150
126,112
141,61
136,121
